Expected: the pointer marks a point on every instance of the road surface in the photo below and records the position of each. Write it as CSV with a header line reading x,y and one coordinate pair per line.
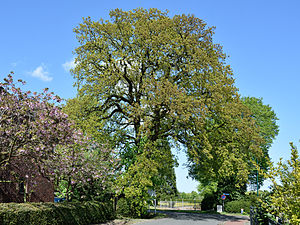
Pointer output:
x,y
182,218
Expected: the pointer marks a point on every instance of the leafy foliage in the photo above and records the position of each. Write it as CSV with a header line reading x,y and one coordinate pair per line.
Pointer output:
x,y
138,179
80,110
189,196
222,149
124,208
284,199
236,206
265,122
265,118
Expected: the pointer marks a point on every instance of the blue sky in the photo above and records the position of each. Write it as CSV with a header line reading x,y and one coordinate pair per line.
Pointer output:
x,y
261,39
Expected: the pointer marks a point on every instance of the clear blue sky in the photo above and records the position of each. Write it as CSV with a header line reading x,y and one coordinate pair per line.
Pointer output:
x,y
262,39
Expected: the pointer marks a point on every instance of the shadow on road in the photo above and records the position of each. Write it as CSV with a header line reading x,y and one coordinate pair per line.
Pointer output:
x,y
200,216
186,218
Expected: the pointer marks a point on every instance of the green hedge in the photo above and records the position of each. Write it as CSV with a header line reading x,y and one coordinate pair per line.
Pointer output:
x,y
236,206
55,213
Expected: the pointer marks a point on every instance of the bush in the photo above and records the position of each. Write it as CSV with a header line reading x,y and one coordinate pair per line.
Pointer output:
x,y
55,213
209,202
123,208
236,206
126,207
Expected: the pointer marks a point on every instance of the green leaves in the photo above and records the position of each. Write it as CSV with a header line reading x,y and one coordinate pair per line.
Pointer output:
x,y
222,148
265,119
145,66
284,199
136,181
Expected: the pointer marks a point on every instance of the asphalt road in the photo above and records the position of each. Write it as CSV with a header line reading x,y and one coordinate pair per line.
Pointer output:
x,y
181,218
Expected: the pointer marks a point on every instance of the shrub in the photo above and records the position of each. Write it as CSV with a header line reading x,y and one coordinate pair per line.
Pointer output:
x,y
284,198
55,213
123,208
236,206
209,202
133,208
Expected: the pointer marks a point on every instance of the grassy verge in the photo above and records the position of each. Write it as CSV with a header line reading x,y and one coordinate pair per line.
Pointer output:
x,y
235,214
186,211
202,212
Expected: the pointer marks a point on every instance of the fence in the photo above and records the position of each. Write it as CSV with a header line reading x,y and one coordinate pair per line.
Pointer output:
x,y
180,204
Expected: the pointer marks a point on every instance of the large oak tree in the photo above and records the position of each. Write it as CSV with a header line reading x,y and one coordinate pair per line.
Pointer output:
x,y
161,79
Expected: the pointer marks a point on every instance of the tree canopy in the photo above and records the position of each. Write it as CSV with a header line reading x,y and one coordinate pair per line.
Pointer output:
x,y
265,118
149,72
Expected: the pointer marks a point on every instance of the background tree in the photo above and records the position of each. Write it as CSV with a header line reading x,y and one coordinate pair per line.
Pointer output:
x,y
265,122
265,118
222,149
164,80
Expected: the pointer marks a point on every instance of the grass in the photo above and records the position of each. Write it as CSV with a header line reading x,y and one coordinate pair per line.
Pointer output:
x,y
235,214
178,204
150,215
204,212
158,215
187,211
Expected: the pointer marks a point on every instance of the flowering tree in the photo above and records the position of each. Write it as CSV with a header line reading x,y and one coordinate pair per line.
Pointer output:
x,y
34,130
31,124
84,171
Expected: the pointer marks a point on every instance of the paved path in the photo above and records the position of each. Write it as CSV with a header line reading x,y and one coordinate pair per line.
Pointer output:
x,y
181,218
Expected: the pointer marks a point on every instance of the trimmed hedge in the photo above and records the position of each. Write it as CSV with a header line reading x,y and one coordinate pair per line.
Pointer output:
x,y
236,206
65,213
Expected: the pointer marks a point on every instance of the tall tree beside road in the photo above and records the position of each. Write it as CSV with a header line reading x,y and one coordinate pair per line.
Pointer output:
x,y
163,80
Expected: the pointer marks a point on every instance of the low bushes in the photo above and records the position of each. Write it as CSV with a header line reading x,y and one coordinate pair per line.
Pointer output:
x,y
236,206
55,213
